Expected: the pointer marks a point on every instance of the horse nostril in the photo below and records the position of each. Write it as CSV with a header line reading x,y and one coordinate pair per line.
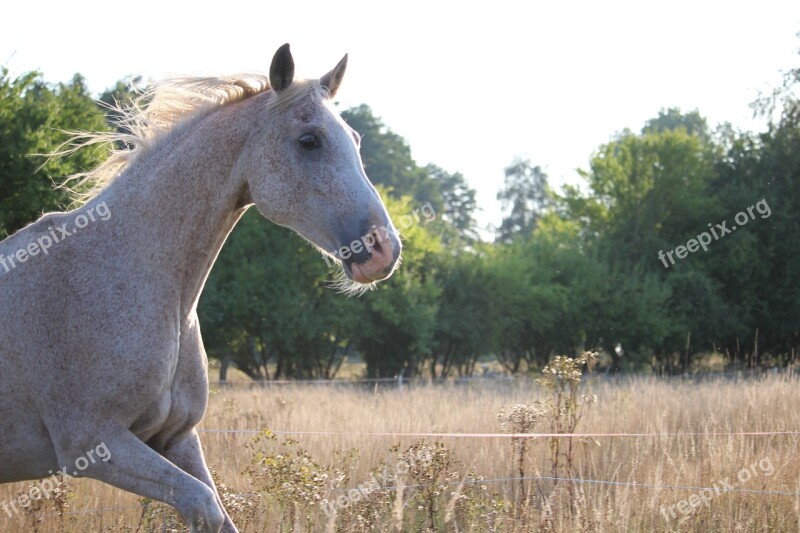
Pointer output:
x,y
377,247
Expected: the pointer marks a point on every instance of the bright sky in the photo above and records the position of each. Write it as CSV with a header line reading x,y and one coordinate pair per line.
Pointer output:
x,y
470,87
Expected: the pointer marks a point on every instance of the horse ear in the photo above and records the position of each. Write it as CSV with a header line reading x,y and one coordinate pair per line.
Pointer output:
x,y
281,71
333,79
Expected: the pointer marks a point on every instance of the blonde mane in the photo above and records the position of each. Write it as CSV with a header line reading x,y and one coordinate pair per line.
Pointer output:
x,y
161,110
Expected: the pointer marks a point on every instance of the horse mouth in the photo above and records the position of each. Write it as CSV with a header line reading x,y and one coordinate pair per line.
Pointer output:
x,y
362,275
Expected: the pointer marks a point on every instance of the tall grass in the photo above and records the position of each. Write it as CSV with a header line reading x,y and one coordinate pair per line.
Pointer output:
x,y
348,481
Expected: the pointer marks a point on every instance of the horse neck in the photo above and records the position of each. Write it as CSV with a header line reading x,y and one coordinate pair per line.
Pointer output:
x,y
177,204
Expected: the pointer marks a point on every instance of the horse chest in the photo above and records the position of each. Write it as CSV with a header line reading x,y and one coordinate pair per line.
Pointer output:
x,y
174,411
181,400
153,418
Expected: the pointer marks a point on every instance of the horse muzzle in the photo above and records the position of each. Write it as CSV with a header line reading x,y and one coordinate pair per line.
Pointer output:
x,y
371,257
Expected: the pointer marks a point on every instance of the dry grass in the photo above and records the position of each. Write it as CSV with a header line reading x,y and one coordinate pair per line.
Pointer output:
x,y
702,455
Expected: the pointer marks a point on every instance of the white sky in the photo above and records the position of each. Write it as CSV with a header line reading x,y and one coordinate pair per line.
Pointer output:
x,y
469,87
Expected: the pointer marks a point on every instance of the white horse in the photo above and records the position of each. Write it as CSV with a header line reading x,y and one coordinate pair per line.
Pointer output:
x,y
100,345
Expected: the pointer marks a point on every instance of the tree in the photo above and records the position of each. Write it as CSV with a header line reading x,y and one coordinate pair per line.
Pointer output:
x,y
758,285
648,193
397,320
464,323
526,196
693,123
267,302
458,207
34,117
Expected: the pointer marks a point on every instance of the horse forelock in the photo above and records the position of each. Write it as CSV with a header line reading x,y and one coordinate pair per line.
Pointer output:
x,y
164,108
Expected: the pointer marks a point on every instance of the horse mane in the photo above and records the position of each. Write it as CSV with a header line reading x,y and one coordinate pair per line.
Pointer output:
x,y
161,110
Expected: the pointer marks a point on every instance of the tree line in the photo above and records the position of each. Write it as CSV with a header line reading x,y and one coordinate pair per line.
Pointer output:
x,y
640,261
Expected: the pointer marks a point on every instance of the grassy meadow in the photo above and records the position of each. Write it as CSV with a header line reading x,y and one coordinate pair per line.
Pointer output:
x,y
279,482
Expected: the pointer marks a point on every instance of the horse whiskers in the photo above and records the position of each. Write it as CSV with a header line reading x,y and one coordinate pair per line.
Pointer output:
x,y
344,285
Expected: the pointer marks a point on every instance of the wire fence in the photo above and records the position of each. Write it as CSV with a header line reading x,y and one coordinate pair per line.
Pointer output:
x,y
658,486
360,434
392,488
489,378
498,435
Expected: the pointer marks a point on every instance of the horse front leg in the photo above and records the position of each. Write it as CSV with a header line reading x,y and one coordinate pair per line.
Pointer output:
x,y
187,454
133,466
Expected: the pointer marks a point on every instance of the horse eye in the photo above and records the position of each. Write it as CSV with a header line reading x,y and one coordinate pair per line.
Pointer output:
x,y
309,141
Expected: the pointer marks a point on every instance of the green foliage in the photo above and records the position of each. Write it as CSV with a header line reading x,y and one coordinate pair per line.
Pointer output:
x,y
458,207
758,287
645,192
672,119
540,290
268,301
396,329
463,329
34,117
